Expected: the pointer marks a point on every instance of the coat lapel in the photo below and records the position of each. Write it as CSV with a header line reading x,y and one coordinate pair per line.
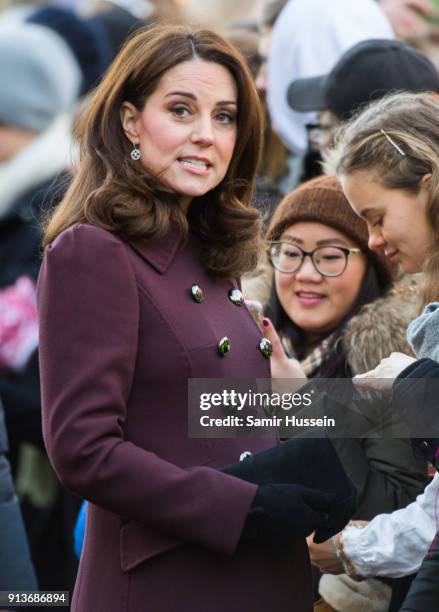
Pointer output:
x,y
161,253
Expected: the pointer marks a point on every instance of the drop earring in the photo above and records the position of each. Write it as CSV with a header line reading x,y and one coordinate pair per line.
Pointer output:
x,y
135,153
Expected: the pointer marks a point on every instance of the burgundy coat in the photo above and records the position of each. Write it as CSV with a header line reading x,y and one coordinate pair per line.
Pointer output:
x,y
120,334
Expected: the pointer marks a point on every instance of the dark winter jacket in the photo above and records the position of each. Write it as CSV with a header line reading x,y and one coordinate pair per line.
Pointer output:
x,y
49,519
16,569
20,255
414,395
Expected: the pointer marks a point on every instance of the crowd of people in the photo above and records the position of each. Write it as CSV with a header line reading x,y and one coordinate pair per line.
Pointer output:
x,y
249,196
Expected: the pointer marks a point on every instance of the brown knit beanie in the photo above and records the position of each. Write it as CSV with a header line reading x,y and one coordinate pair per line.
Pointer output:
x,y
322,200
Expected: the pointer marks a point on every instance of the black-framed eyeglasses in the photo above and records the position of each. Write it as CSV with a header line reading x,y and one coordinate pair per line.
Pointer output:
x,y
288,257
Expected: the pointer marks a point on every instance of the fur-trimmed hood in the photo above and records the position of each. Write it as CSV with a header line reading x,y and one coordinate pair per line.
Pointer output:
x,y
380,327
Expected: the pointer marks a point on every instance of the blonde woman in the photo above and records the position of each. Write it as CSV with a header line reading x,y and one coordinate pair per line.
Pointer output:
x,y
387,163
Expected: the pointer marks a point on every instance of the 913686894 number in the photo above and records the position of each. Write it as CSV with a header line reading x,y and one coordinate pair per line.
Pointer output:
x,y
34,598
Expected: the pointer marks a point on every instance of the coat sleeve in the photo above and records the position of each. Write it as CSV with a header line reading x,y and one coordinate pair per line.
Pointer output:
x,y
89,313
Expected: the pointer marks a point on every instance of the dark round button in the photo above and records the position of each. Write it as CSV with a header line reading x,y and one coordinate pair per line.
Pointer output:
x,y
235,296
266,348
197,293
224,346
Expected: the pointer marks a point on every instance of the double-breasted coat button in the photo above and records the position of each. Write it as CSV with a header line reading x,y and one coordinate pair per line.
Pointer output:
x,y
224,346
197,293
244,455
235,296
266,347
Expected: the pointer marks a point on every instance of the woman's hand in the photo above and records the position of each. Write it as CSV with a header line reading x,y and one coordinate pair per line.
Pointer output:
x,y
382,377
323,556
281,365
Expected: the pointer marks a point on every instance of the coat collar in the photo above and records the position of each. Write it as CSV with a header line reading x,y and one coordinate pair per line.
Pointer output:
x,y
159,254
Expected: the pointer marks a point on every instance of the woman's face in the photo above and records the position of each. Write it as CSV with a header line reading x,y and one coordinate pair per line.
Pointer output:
x,y
187,129
317,303
396,219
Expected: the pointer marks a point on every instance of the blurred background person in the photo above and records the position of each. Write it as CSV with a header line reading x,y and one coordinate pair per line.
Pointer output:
x,y
269,12
217,12
87,39
335,29
87,24
245,35
427,39
308,38
274,163
429,45
164,11
41,81
368,71
16,569
409,18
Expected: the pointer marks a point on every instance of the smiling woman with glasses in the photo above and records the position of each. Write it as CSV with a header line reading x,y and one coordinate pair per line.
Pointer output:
x,y
324,271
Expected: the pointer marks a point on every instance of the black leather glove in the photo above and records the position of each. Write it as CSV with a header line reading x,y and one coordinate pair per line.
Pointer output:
x,y
311,463
282,513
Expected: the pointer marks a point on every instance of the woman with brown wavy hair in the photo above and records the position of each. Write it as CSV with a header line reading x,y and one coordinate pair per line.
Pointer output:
x,y
138,293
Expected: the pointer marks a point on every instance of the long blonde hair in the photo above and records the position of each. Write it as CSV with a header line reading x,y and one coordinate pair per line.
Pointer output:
x,y
411,121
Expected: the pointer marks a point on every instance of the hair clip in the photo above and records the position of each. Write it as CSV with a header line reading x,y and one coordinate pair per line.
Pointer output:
x,y
393,143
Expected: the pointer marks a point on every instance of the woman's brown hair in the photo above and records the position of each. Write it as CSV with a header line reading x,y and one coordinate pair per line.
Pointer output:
x,y
396,139
113,192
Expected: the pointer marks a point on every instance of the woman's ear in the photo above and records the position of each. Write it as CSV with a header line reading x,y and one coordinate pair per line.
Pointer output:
x,y
425,181
129,118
